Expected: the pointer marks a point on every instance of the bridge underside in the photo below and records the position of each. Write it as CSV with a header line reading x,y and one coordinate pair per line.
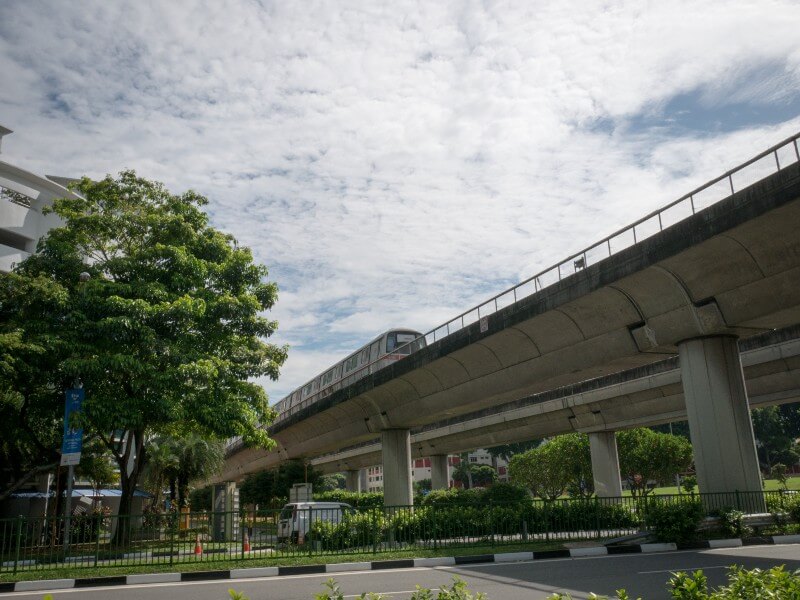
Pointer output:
x,y
772,375
733,268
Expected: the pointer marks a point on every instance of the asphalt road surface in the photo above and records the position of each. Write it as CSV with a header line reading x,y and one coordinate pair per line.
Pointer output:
x,y
642,575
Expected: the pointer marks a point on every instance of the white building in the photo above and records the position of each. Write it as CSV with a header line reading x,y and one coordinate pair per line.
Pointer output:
x,y
23,195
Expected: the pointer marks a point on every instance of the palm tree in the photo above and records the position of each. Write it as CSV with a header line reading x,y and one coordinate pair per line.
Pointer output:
x,y
161,462
198,459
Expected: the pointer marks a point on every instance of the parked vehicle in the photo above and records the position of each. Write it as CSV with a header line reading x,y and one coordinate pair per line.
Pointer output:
x,y
296,518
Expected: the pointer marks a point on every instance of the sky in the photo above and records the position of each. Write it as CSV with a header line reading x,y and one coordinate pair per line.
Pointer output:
x,y
396,163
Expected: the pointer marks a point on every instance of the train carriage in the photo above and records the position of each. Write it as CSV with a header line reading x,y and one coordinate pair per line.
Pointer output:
x,y
385,349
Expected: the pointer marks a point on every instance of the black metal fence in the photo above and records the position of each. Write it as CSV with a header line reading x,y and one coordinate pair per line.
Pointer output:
x,y
100,540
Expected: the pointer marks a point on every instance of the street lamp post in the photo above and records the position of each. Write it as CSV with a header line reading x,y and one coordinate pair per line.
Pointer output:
x,y
72,443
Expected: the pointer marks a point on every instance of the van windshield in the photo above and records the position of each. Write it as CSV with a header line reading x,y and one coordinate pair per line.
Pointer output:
x,y
286,513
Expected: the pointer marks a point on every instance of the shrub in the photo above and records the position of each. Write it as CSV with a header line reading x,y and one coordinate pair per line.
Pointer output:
x,y
673,522
458,591
587,514
742,585
405,525
506,494
774,583
455,496
731,523
334,592
355,499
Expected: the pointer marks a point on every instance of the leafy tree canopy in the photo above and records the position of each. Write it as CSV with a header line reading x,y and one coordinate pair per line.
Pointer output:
x,y
648,456
555,465
775,428
167,333
270,487
506,451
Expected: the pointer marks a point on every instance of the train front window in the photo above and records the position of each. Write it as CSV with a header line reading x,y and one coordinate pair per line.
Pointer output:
x,y
401,342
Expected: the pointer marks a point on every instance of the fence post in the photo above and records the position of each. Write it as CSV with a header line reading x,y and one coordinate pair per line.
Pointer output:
x,y
738,503
435,531
597,516
491,522
171,524
97,524
374,530
310,538
20,520
547,520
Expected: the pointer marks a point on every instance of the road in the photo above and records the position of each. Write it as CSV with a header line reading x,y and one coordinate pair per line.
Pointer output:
x,y
642,575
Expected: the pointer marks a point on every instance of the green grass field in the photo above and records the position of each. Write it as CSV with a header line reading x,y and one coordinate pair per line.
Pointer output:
x,y
770,485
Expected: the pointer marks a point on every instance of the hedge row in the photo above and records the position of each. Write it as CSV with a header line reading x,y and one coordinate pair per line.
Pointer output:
x,y
451,522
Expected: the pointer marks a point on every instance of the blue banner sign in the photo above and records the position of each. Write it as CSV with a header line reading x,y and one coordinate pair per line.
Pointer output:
x,y
73,436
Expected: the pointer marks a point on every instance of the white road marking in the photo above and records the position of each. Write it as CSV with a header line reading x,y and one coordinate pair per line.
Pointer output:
x,y
685,569
391,593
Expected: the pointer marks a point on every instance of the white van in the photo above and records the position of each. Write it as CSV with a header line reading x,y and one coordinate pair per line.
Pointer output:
x,y
296,517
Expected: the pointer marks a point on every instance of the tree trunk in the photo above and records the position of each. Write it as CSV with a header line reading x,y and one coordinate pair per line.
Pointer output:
x,y
183,492
122,534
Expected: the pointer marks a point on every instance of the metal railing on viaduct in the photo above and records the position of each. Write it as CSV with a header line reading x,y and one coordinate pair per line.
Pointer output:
x,y
766,163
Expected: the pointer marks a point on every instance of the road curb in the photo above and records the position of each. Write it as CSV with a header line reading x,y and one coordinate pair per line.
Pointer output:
x,y
405,563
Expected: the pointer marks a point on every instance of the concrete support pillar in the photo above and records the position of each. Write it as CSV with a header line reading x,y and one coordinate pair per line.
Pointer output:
x,y
353,481
719,419
605,464
440,472
396,449
225,518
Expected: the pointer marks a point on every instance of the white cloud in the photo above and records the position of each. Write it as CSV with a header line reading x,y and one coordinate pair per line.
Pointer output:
x,y
396,164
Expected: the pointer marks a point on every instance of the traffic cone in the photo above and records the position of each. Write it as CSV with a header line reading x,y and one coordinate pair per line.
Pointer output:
x,y
246,542
198,547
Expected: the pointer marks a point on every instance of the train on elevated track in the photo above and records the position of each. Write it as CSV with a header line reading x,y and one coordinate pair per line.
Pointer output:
x,y
385,349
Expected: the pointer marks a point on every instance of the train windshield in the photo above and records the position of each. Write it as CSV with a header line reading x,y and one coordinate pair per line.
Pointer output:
x,y
398,342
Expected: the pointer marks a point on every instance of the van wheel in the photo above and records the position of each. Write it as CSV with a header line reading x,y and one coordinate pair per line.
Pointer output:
x,y
295,538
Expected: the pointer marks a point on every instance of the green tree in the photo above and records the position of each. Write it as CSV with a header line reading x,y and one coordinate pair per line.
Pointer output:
x,y
160,461
31,392
647,456
200,498
166,335
423,486
483,475
258,488
294,471
334,481
97,466
775,436
196,459
556,465
463,471
506,451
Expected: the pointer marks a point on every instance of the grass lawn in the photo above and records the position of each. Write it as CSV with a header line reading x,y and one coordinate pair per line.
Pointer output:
x,y
770,485
282,561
